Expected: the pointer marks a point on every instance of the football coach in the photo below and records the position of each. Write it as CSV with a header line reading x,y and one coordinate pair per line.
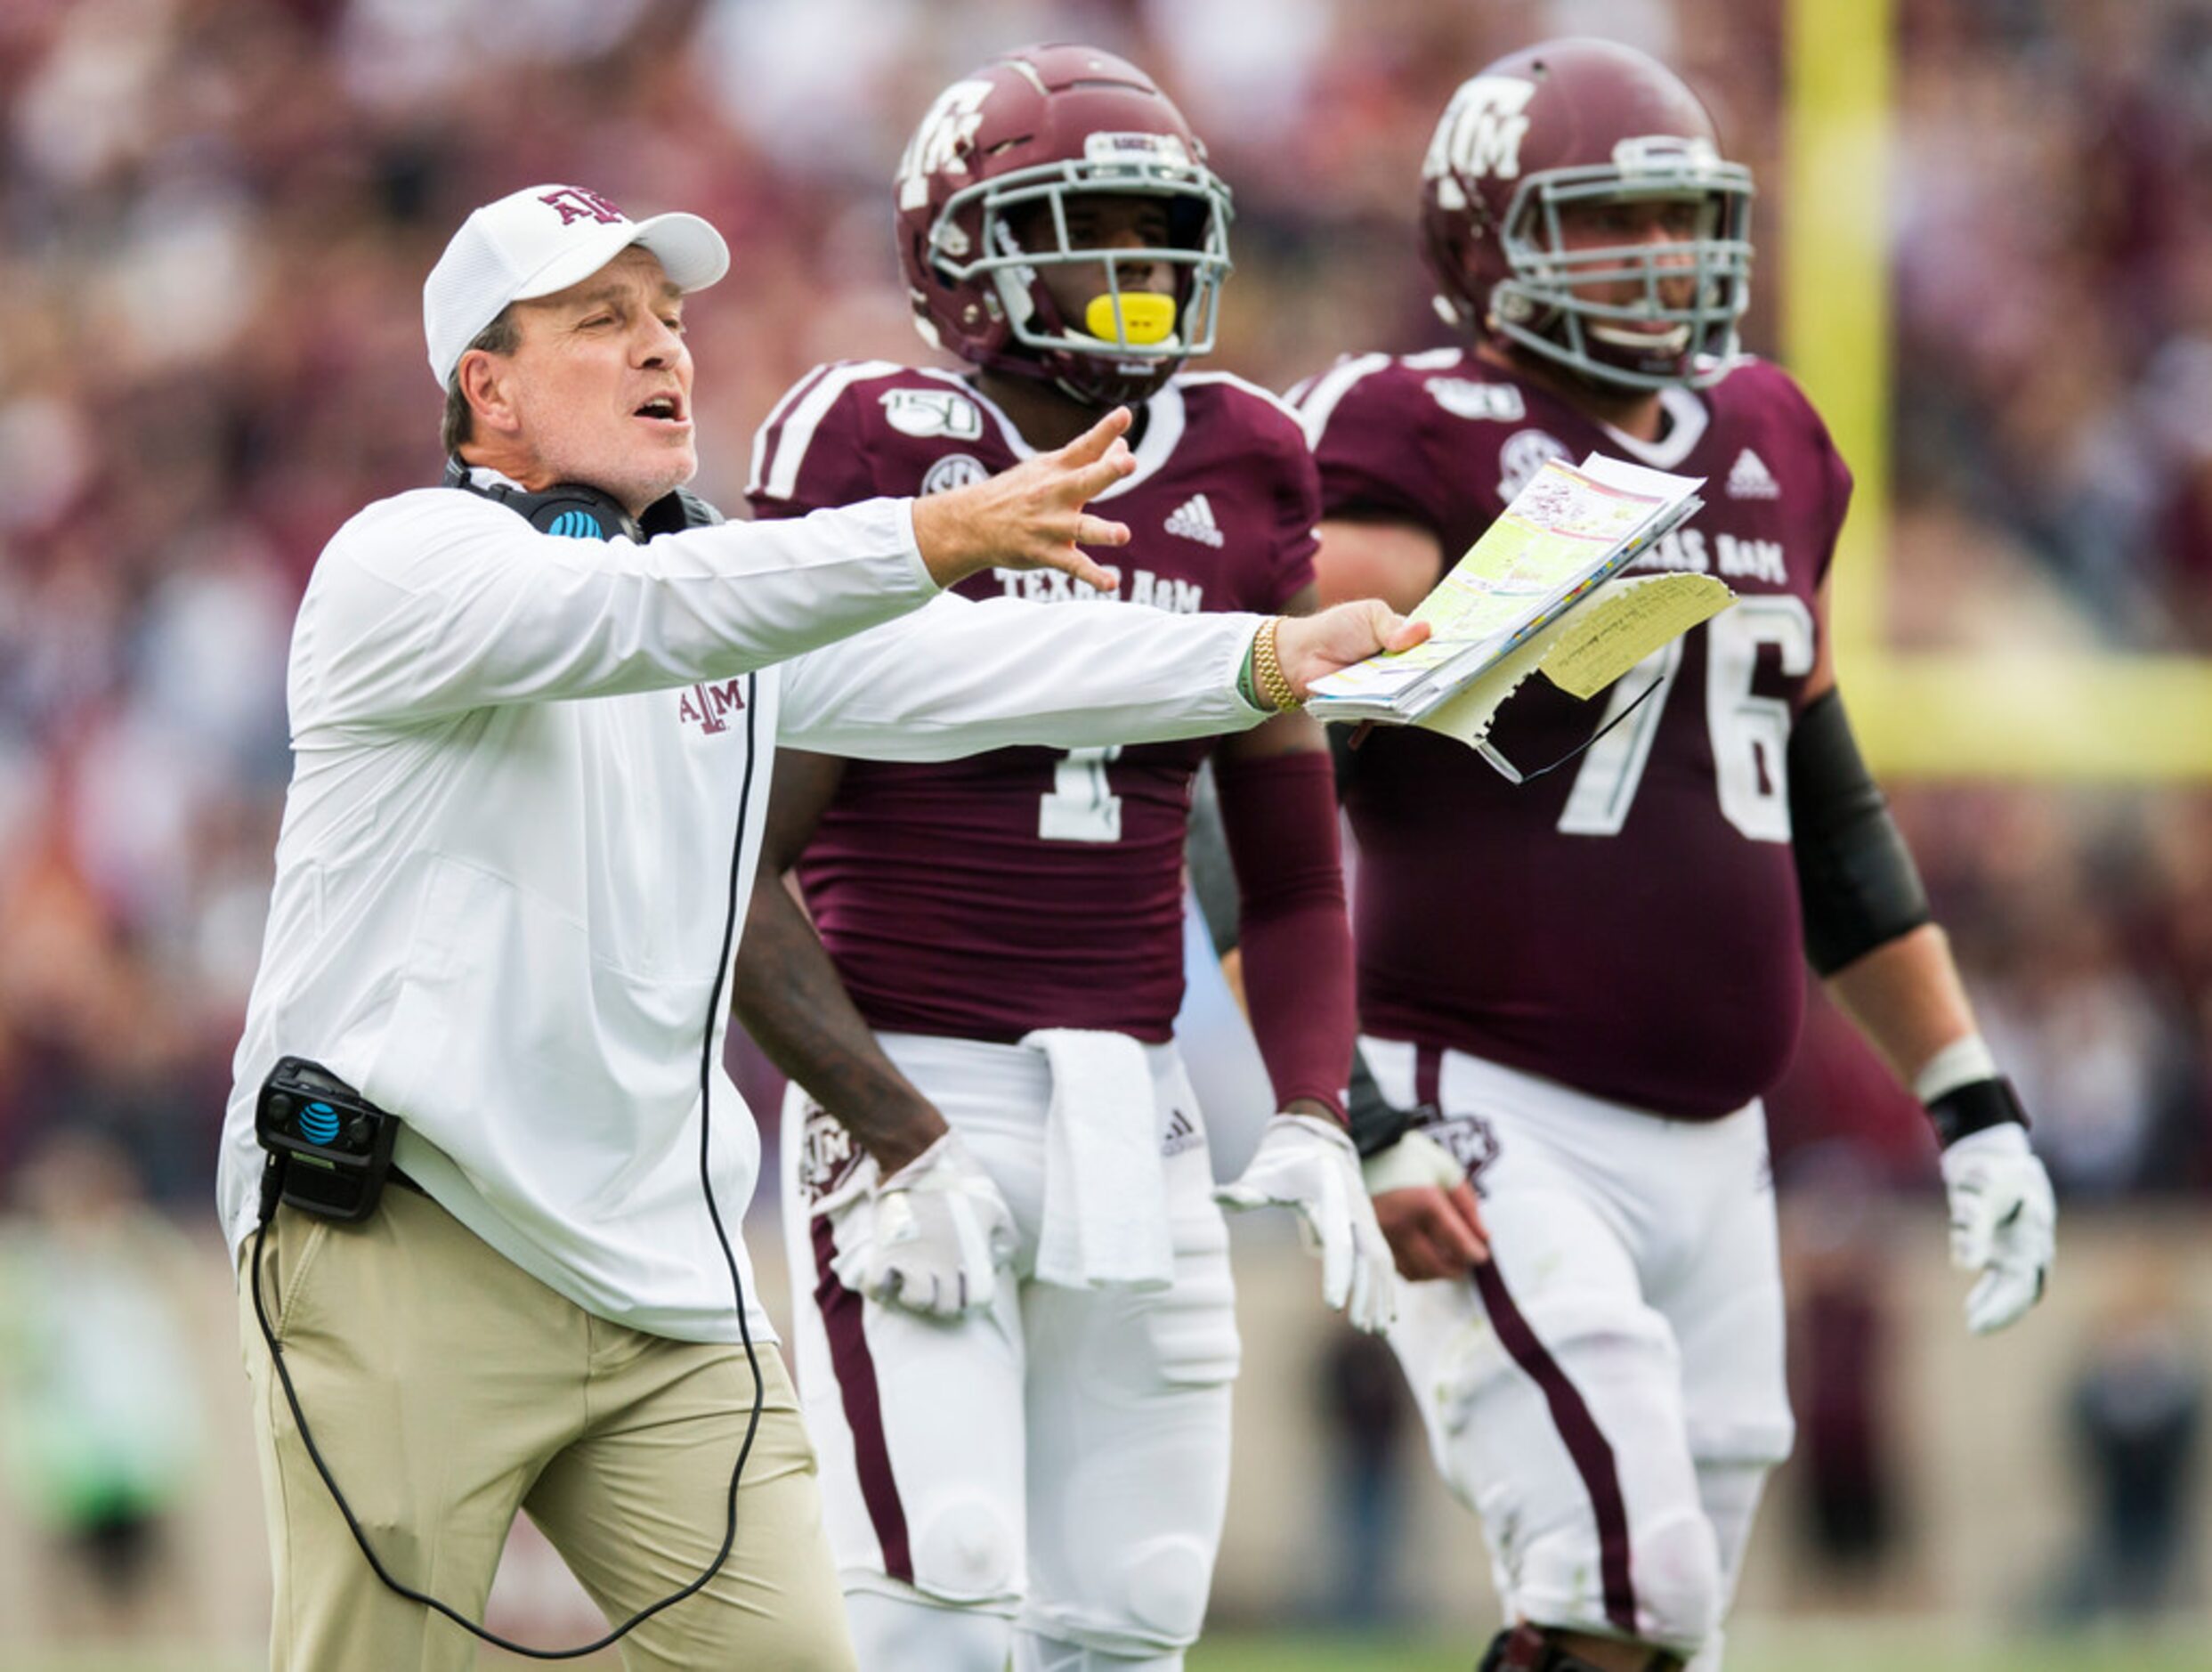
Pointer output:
x,y
481,1162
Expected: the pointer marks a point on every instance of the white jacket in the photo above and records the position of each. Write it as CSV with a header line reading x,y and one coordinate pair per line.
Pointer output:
x,y
509,849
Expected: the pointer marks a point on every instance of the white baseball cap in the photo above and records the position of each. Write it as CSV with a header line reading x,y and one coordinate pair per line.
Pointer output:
x,y
544,239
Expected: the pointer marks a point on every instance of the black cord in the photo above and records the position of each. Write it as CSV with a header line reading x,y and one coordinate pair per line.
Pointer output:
x,y
1515,775
269,1195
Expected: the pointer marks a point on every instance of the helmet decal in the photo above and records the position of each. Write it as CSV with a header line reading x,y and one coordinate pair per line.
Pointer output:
x,y
939,143
1479,135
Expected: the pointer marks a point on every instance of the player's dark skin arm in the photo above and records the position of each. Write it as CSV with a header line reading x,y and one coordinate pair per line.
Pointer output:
x,y
789,998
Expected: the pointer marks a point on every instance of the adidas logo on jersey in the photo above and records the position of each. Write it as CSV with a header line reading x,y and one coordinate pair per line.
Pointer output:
x,y
1748,478
1194,520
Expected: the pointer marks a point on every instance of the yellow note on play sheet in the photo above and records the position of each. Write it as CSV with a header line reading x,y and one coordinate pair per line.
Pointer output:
x,y
1629,620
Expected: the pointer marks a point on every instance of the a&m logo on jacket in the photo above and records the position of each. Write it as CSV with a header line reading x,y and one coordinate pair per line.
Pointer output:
x,y
709,706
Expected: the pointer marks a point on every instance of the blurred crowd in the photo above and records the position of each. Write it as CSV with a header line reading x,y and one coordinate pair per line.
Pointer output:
x,y
215,216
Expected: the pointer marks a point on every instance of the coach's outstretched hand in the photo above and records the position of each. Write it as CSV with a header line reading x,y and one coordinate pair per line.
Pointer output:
x,y
1308,1164
1030,516
941,1229
1311,647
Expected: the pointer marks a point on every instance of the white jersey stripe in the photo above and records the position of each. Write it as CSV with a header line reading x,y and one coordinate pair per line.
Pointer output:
x,y
1689,417
1164,422
1331,388
1247,386
781,480
775,417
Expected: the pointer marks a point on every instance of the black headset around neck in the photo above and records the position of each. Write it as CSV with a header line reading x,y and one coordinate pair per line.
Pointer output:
x,y
580,512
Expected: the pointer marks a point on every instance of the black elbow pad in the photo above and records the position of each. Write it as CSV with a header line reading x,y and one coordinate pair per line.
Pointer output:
x,y
1856,885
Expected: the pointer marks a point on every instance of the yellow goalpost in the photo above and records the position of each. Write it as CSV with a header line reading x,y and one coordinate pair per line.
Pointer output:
x,y
2115,718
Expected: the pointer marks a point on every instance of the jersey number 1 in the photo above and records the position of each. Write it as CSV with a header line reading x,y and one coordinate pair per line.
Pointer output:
x,y
1081,807
1750,733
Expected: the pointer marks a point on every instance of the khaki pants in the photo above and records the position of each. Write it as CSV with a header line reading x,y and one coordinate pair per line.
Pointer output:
x,y
446,1388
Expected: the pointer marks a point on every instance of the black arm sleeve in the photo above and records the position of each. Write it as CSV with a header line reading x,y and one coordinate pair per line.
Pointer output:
x,y
1206,857
1376,1124
1856,885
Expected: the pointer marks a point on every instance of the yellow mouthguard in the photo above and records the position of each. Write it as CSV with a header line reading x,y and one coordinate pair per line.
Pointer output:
x,y
1145,318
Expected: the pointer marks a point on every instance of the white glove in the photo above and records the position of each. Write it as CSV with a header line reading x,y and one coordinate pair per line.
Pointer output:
x,y
1415,1161
941,1229
2004,1223
1309,1165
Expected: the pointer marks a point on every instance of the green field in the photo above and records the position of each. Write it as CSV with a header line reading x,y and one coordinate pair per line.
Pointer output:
x,y
1822,1646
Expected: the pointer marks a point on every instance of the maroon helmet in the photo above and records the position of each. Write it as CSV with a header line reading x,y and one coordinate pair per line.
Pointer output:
x,y
1583,121
1036,126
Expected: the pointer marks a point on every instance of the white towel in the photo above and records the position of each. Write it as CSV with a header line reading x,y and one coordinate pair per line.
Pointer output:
x,y
1105,1223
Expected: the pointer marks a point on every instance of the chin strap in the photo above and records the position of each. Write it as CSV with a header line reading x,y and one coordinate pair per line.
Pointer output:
x,y
1525,1648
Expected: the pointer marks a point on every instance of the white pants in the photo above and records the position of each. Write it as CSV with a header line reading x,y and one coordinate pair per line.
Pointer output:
x,y
1062,1458
1607,1394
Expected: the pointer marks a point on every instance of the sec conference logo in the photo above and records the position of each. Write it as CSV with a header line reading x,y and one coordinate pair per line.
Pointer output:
x,y
1525,453
954,470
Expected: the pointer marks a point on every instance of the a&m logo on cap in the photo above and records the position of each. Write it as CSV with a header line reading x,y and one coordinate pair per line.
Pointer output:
x,y
574,203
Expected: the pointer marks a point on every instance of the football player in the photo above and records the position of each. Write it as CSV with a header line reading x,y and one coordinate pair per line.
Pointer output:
x,y
1580,987
1014,1319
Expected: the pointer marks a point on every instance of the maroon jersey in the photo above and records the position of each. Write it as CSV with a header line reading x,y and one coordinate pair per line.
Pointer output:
x,y
1629,924
1034,888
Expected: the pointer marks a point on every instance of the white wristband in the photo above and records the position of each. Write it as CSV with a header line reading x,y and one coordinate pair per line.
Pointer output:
x,y
1962,1062
1415,1160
